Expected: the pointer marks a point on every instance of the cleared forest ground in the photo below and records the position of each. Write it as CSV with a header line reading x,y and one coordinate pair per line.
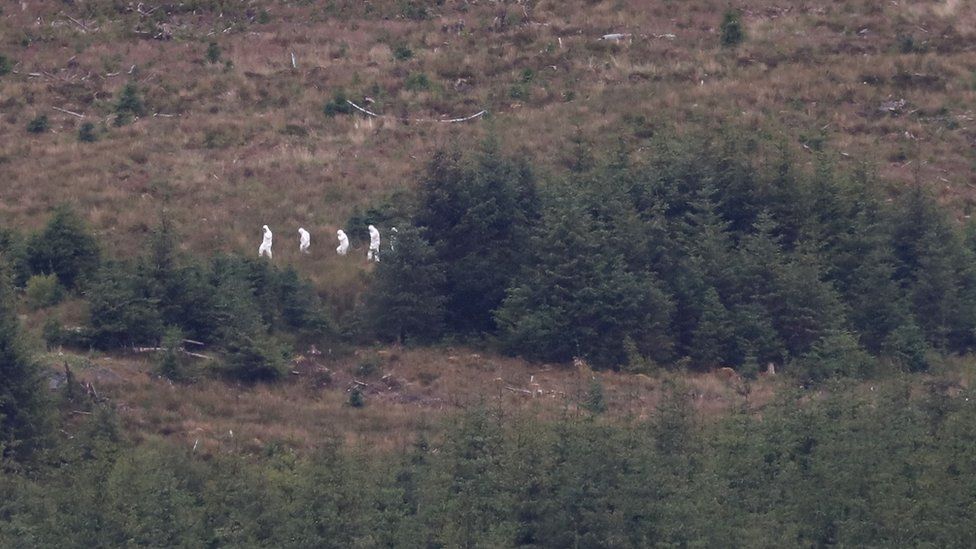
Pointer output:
x,y
406,392
412,392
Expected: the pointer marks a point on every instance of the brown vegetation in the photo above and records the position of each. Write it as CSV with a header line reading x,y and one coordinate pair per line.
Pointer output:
x,y
406,392
228,146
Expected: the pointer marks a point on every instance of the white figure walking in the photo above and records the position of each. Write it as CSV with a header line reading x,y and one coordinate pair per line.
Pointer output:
x,y
305,240
265,249
374,245
343,242
393,237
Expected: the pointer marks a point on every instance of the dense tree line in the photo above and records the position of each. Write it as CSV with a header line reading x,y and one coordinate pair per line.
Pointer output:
x,y
716,251
24,413
706,251
248,310
849,469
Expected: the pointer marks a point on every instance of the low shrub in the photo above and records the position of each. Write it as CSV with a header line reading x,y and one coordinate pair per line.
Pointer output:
x,y
86,133
338,105
43,290
39,124
732,32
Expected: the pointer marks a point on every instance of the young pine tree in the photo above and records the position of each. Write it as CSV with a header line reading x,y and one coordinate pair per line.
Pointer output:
x,y
407,298
23,410
64,248
476,211
935,266
714,335
576,297
123,307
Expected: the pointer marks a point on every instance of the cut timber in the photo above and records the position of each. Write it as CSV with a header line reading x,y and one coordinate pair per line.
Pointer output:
x,y
77,22
66,111
446,120
158,349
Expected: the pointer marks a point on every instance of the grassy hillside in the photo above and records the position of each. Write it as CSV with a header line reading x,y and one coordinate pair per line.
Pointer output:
x,y
192,394
239,139
405,392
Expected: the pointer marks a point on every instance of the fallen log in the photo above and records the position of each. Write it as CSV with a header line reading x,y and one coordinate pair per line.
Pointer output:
x,y
66,111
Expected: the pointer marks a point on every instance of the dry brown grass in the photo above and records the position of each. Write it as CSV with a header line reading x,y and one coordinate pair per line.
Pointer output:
x,y
410,391
248,144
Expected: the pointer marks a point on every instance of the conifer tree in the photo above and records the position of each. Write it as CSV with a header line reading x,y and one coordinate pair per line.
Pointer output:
x,y
577,297
714,335
123,307
23,409
64,248
406,301
476,211
936,268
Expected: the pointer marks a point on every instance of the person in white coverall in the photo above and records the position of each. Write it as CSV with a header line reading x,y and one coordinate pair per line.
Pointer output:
x,y
305,240
343,242
393,235
265,249
374,245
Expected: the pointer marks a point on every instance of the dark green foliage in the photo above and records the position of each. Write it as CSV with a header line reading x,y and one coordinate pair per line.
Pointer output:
x,y
368,367
6,65
52,332
253,356
253,291
356,398
64,248
906,345
171,363
302,310
213,53
23,408
578,297
86,133
414,10
392,211
246,311
837,354
417,81
402,53
582,159
123,308
906,43
43,291
13,250
701,253
130,104
851,468
733,33
595,401
477,211
406,300
38,124
937,269
153,500
714,338
338,105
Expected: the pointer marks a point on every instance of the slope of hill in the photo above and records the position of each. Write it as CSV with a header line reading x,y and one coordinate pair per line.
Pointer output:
x,y
405,392
233,135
